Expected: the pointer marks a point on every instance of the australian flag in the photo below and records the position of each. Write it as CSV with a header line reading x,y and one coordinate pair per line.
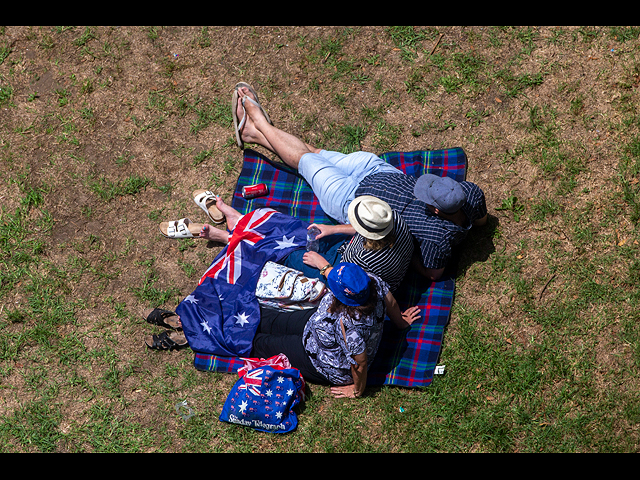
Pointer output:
x,y
264,399
221,315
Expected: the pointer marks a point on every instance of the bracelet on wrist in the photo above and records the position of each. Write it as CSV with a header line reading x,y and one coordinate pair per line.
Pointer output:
x,y
324,269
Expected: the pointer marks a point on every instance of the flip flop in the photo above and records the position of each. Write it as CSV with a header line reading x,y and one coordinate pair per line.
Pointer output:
x,y
164,318
206,200
237,123
178,229
167,341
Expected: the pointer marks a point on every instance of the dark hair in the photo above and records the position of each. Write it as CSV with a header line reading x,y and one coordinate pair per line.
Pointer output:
x,y
356,312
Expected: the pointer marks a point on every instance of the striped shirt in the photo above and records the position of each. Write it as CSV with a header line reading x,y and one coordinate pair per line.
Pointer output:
x,y
434,235
389,263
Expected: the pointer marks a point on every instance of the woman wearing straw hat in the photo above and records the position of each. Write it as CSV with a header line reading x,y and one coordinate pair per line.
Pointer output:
x,y
381,242
335,343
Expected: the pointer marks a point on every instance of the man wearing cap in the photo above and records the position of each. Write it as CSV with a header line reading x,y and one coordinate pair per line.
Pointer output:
x,y
438,210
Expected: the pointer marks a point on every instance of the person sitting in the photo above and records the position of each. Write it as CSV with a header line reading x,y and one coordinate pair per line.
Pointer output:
x,y
377,239
438,210
389,259
332,344
335,343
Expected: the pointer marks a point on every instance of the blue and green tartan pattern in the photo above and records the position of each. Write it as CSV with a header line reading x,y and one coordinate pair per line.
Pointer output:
x,y
405,358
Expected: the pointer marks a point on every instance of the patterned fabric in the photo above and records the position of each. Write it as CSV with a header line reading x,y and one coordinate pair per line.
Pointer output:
x,y
221,316
405,358
288,192
285,288
325,343
390,263
435,236
264,399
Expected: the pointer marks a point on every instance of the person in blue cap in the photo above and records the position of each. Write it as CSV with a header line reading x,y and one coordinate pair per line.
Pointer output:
x,y
335,343
438,210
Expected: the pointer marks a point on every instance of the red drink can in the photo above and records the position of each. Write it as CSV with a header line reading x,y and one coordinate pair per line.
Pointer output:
x,y
253,191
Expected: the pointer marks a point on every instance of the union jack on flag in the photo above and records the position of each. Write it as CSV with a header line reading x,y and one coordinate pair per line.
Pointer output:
x,y
253,381
245,231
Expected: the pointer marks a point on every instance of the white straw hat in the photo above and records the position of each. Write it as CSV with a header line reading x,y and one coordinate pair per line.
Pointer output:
x,y
371,217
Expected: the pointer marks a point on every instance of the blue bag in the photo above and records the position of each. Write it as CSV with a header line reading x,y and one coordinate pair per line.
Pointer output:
x,y
264,398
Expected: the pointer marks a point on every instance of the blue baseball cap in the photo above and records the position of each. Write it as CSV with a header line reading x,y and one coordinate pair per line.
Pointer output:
x,y
349,283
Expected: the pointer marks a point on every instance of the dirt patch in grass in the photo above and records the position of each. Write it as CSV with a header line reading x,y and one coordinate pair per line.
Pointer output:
x,y
114,127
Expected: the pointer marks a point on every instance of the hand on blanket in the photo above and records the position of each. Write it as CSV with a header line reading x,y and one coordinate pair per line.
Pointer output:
x,y
410,315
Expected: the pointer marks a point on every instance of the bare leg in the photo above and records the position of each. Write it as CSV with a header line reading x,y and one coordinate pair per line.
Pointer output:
x,y
258,130
249,133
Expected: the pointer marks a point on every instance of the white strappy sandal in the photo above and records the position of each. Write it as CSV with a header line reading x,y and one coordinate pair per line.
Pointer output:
x,y
206,200
177,229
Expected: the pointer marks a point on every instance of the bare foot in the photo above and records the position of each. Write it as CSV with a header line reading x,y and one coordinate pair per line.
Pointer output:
x,y
228,211
249,133
213,234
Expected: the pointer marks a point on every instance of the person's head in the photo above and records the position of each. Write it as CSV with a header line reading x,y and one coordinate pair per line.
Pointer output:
x,y
444,194
351,288
373,219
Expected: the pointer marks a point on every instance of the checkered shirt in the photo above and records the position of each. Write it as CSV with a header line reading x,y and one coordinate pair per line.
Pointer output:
x,y
435,236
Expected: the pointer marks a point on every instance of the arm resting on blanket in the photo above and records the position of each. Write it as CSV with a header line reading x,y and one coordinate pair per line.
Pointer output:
x,y
400,319
359,373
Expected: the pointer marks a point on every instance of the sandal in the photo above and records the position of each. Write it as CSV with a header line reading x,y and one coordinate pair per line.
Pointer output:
x,y
238,124
163,318
206,200
167,341
178,229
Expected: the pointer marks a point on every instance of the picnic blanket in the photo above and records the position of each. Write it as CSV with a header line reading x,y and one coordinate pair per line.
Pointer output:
x,y
405,358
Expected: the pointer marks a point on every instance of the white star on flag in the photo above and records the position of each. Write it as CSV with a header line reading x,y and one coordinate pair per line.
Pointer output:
x,y
191,299
285,242
242,318
206,327
243,406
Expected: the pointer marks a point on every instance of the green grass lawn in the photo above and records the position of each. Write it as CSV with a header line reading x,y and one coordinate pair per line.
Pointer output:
x,y
106,131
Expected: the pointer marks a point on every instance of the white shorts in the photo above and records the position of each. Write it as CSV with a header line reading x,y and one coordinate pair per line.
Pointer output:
x,y
334,177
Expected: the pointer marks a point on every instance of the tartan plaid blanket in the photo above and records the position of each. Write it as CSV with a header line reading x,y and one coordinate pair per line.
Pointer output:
x,y
405,358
